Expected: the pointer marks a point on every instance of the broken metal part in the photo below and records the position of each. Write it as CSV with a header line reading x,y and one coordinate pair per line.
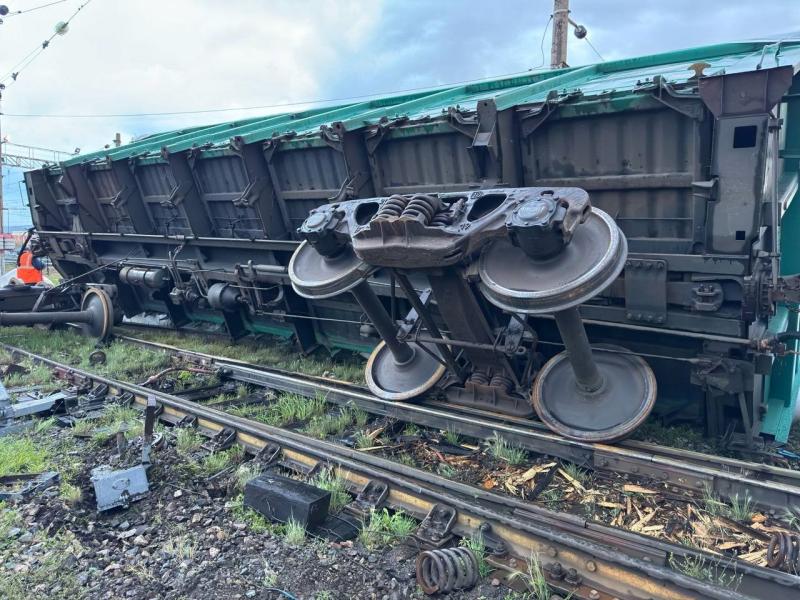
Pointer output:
x,y
98,357
282,499
115,488
11,413
435,530
447,569
20,486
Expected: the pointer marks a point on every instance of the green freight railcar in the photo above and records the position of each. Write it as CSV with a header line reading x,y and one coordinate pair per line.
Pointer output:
x,y
693,153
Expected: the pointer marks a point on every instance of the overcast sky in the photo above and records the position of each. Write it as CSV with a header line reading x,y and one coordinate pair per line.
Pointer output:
x,y
138,56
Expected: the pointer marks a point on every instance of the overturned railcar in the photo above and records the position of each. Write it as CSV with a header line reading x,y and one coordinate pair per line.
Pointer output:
x,y
640,212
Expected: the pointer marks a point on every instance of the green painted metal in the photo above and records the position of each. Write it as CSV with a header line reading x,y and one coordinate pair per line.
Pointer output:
x,y
584,83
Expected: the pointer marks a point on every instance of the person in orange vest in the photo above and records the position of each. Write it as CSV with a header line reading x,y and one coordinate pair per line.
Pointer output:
x,y
29,268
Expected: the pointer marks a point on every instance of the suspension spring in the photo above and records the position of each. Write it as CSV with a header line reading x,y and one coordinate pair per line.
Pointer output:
x,y
447,569
393,207
442,218
784,551
502,381
422,208
479,377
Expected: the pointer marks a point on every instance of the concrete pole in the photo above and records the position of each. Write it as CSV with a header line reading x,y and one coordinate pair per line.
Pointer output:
x,y
558,51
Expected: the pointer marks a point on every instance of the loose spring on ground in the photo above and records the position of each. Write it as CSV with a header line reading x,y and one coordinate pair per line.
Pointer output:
x,y
784,551
447,569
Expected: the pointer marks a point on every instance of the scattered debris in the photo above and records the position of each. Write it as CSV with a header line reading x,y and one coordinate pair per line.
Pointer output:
x,y
20,486
114,488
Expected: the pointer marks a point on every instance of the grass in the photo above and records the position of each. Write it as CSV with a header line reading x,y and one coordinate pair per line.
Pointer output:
x,y
182,547
49,575
406,459
70,493
478,547
9,517
293,408
123,360
552,497
534,579
187,440
268,351
362,440
336,485
335,424
22,455
446,470
384,528
294,533
503,450
739,508
245,473
411,430
698,567
574,471
255,521
215,462
452,437
36,375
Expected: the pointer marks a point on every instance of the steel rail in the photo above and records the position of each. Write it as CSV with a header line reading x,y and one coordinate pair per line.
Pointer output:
x,y
608,563
770,487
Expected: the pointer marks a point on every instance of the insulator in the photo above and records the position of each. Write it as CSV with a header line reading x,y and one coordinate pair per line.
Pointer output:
x,y
446,570
479,377
503,382
784,551
393,207
422,208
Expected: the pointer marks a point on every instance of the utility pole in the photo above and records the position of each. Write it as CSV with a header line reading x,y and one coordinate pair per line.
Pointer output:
x,y
558,51
2,228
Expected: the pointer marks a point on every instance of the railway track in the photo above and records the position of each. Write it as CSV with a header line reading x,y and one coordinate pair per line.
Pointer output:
x,y
580,558
772,488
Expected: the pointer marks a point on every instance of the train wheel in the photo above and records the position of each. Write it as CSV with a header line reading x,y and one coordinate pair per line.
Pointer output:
x,y
391,380
621,403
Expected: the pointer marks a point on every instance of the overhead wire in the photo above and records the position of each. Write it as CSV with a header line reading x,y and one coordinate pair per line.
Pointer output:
x,y
16,13
600,56
15,71
262,106
282,104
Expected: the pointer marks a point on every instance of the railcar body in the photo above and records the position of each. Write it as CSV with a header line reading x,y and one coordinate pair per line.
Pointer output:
x,y
692,154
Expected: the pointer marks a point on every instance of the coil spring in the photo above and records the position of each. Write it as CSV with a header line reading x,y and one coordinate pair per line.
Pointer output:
x,y
503,382
479,377
447,569
393,207
442,218
422,207
784,550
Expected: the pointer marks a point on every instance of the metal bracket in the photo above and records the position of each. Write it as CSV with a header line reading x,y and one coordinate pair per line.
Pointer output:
x,y
187,421
494,544
268,455
646,290
371,497
707,296
436,528
222,440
